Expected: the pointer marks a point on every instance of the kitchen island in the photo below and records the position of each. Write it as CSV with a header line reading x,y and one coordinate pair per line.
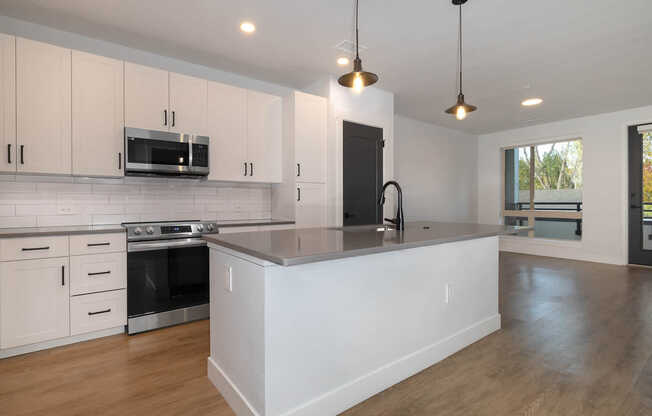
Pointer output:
x,y
313,321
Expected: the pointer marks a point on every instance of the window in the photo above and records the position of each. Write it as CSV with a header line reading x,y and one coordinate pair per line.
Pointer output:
x,y
543,188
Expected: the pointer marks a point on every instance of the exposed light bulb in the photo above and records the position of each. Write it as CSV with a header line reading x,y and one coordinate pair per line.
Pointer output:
x,y
358,85
460,113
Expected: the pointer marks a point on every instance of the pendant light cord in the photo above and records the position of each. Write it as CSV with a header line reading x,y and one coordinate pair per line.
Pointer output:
x,y
460,47
356,29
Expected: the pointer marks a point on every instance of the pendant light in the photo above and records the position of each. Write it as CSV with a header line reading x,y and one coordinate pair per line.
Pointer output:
x,y
460,109
357,79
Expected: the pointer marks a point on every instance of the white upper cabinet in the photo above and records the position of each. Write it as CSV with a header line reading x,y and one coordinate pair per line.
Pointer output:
x,y
264,137
310,118
227,130
97,115
7,103
146,97
34,301
43,107
187,104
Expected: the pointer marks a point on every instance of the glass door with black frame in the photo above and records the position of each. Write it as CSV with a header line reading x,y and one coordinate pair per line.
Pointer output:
x,y
640,194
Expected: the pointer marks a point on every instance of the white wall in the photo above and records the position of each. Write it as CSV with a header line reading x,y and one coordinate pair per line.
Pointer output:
x,y
604,236
437,169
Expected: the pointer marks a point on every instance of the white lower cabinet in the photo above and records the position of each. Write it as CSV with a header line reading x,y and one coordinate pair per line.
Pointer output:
x,y
34,301
98,311
311,205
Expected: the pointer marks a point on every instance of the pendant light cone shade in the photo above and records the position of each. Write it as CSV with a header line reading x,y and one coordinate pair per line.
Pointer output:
x,y
357,79
461,109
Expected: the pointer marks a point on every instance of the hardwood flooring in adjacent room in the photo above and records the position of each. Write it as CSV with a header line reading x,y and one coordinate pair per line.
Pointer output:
x,y
576,340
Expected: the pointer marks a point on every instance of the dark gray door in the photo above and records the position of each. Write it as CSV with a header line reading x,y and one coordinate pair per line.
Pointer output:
x,y
640,197
362,173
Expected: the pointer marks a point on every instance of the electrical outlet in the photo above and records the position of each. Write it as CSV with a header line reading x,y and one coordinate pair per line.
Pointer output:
x,y
449,293
229,279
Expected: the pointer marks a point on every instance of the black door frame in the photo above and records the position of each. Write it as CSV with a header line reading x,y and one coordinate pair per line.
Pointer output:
x,y
636,254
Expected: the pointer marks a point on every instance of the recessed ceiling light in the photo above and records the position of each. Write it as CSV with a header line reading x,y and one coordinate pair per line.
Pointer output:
x,y
343,60
531,101
247,27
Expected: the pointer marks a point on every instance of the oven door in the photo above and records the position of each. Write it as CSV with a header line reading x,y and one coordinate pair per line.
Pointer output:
x,y
149,151
166,275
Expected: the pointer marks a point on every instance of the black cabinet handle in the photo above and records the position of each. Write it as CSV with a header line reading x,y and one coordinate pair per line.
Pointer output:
x,y
99,312
173,118
298,194
298,169
63,275
35,248
9,153
99,273
119,160
251,165
245,163
635,206
165,117
22,158
98,244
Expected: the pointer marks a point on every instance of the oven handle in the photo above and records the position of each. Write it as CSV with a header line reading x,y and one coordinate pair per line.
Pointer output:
x,y
165,244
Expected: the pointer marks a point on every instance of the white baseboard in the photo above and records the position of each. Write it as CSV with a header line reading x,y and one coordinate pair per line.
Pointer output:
x,y
229,391
365,386
10,352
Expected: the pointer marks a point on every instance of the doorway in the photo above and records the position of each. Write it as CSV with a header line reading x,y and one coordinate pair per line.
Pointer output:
x,y
362,176
640,194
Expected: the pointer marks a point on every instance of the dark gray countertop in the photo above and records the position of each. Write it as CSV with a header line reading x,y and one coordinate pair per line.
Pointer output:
x,y
63,230
308,245
244,223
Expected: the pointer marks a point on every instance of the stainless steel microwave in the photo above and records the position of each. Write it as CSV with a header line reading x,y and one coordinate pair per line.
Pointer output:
x,y
151,152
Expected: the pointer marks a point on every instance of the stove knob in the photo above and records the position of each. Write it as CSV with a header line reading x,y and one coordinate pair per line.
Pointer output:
x,y
210,227
138,230
149,230
200,227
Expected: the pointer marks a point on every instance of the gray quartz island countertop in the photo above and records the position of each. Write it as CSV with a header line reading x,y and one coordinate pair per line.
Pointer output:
x,y
308,245
247,223
62,230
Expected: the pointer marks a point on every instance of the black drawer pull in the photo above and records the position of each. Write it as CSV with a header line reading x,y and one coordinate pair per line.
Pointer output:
x,y
99,273
99,312
35,248
98,244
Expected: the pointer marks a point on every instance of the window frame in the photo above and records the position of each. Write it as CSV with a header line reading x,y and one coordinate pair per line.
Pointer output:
x,y
531,214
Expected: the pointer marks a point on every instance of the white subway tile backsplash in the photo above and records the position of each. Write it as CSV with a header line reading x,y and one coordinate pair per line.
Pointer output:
x,y
52,201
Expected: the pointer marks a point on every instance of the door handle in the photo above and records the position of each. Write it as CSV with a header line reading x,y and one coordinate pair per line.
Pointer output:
x,y
298,194
22,158
98,244
99,273
165,117
251,165
174,118
245,163
9,153
298,169
119,160
35,248
63,275
99,312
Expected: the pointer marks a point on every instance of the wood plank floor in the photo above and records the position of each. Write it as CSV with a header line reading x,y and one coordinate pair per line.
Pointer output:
x,y
576,340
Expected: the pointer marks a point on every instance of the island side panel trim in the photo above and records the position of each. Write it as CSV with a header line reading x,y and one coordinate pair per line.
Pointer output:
x,y
340,331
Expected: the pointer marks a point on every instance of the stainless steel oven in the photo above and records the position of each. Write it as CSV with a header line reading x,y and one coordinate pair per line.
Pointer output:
x,y
150,152
167,274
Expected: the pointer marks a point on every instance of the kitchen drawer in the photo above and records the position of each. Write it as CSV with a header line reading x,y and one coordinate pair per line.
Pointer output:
x,y
98,311
29,248
97,243
97,273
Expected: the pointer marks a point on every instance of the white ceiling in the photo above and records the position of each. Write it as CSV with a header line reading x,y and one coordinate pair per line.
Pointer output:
x,y
581,56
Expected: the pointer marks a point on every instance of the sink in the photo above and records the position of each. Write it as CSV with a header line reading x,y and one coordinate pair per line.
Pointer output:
x,y
365,228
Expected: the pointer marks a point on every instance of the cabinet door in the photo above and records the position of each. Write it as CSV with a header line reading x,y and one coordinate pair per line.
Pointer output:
x,y
187,104
146,97
264,136
7,103
310,112
227,131
97,115
34,301
43,107
311,205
